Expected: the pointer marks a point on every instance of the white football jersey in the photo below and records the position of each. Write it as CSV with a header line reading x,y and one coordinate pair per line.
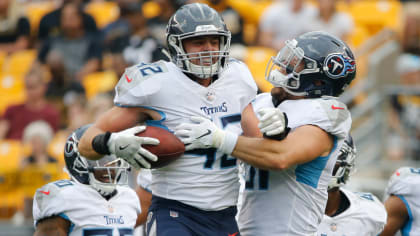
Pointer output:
x,y
404,183
202,178
88,212
144,179
292,202
365,216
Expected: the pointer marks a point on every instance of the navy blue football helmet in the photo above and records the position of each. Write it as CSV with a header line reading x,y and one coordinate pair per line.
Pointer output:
x,y
312,65
344,166
103,175
196,20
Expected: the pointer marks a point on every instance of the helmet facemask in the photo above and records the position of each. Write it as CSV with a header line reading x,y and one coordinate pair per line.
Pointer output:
x,y
106,173
285,69
209,63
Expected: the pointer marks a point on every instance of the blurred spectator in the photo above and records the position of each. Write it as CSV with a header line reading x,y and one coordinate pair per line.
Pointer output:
x,y
404,120
235,23
60,83
339,24
140,46
79,51
50,24
233,20
35,107
34,171
157,25
14,27
410,39
38,135
116,33
97,105
128,39
284,20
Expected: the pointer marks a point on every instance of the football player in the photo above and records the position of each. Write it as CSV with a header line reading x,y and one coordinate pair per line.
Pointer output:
x,y
350,213
92,202
197,193
286,188
402,202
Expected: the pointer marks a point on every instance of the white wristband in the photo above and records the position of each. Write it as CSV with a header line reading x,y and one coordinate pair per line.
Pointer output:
x,y
228,143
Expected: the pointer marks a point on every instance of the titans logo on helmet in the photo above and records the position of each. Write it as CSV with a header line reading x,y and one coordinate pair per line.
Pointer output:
x,y
338,65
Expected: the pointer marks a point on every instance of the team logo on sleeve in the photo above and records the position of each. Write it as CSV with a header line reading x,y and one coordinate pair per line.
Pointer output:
x,y
337,66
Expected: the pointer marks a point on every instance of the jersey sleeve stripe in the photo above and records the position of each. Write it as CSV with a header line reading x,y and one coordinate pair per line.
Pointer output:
x,y
405,231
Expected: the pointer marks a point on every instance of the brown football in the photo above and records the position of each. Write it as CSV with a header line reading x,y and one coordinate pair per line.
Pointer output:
x,y
169,149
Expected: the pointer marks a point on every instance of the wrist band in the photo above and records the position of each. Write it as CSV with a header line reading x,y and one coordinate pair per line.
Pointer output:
x,y
229,143
99,143
279,137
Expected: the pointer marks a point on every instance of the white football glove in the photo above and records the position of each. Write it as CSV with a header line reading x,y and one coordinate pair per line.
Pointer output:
x,y
126,145
272,121
203,133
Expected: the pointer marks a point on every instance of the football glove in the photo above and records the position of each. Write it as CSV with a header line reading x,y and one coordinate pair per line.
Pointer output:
x,y
273,123
203,133
126,145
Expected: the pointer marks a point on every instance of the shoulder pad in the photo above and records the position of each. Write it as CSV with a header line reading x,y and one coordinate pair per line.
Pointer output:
x,y
261,101
139,81
401,182
328,114
49,199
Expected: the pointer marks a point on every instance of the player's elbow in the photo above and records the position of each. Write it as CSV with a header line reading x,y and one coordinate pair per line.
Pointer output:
x,y
278,162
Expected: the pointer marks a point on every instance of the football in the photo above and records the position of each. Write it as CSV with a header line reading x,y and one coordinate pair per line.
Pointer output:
x,y
169,149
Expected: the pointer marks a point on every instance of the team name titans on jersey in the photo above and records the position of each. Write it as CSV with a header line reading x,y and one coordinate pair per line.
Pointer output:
x,y
114,220
212,110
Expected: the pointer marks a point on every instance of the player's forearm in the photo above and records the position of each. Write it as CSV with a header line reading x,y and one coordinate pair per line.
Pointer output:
x,y
261,153
85,144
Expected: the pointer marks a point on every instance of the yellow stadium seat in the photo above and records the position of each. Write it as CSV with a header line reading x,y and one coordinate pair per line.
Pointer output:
x,y
103,12
3,56
10,203
257,58
11,152
11,90
33,177
359,35
376,14
56,146
19,62
151,9
251,11
99,82
36,10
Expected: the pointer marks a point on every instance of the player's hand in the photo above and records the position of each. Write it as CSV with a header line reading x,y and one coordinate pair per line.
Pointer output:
x,y
126,145
272,121
203,133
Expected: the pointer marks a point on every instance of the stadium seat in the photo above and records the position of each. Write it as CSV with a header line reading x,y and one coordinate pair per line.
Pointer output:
x,y
11,90
359,35
150,9
104,12
3,56
11,153
257,58
19,62
376,14
36,10
56,146
33,177
99,82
